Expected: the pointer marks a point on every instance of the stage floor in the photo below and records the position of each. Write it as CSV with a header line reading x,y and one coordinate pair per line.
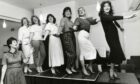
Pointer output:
x,y
77,78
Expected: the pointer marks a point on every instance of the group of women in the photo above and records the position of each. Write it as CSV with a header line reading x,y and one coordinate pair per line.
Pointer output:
x,y
31,38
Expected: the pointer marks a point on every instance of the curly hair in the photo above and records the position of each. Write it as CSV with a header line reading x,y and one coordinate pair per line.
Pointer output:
x,y
32,21
102,8
50,15
10,40
66,9
24,18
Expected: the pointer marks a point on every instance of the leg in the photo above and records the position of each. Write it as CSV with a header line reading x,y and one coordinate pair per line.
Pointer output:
x,y
36,45
83,68
42,55
111,72
90,66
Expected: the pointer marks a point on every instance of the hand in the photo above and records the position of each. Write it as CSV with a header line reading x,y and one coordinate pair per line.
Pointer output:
x,y
98,19
122,29
130,16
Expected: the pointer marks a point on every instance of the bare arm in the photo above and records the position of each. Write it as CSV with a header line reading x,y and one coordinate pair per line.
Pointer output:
x,y
46,34
4,68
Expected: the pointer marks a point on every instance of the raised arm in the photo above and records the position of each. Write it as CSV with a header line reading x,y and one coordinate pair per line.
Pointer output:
x,y
110,17
92,21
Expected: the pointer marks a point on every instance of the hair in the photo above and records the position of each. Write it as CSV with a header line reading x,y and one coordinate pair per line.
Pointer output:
x,y
102,8
34,16
50,15
24,18
79,9
66,9
10,40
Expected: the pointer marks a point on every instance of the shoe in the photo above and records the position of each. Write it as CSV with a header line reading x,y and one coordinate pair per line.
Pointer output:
x,y
68,71
53,71
29,70
41,70
38,69
91,70
84,72
73,70
115,76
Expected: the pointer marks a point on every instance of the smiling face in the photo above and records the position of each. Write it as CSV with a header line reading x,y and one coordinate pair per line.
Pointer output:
x,y
81,12
35,20
51,19
25,22
14,44
106,8
68,13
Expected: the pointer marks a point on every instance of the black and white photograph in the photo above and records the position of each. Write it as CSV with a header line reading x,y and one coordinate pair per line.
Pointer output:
x,y
69,42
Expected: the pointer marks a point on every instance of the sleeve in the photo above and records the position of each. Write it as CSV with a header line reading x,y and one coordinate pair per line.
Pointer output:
x,y
48,27
76,22
4,59
92,21
20,35
111,18
117,24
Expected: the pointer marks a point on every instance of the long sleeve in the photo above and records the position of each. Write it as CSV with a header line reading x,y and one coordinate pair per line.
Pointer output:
x,y
110,17
92,21
117,24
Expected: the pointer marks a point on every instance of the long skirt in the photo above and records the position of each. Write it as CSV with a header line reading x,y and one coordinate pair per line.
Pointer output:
x,y
87,50
28,53
69,48
56,57
14,76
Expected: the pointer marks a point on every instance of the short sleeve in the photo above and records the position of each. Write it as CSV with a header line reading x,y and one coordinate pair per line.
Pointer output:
x,y
4,59
48,27
76,22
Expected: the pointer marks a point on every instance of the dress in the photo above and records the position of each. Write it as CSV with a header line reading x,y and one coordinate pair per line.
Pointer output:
x,y
14,73
24,37
55,47
109,25
68,41
87,50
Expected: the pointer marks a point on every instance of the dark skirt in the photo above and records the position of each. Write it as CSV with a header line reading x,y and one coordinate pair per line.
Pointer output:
x,y
69,48
14,76
116,52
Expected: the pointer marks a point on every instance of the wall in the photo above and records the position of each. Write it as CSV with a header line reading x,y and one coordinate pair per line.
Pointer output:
x,y
15,13
129,38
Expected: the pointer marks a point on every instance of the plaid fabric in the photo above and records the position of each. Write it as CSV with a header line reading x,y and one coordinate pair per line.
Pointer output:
x,y
69,47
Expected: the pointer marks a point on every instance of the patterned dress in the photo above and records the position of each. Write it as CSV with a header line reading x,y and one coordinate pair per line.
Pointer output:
x,y
14,73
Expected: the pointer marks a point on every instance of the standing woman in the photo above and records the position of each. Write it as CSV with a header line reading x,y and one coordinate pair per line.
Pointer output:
x,y
24,39
12,69
87,50
109,24
56,58
68,40
37,43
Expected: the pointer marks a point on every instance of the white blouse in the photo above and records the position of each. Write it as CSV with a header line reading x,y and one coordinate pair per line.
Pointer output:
x,y
37,32
52,28
24,35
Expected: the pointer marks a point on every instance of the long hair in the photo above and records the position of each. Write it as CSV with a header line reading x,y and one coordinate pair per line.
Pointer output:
x,y
66,9
50,15
24,18
102,8
32,21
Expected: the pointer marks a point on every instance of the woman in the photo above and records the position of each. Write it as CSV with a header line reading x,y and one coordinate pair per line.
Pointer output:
x,y
87,50
68,40
12,69
56,58
109,24
24,39
37,43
